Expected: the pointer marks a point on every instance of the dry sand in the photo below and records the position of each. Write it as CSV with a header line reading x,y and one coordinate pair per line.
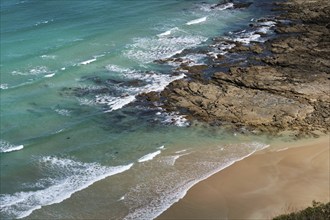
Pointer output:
x,y
261,186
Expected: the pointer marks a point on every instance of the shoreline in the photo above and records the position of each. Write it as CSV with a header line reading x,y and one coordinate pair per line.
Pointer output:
x,y
266,184
282,87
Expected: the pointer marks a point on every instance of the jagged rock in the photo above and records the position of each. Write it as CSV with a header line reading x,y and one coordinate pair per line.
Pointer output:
x,y
256,49
242,4
290,90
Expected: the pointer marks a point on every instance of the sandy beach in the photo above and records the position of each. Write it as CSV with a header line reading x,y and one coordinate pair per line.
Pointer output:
x,y
274,181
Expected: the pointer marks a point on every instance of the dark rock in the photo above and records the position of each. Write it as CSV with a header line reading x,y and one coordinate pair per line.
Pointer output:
x,y
288,90
194,69
242,5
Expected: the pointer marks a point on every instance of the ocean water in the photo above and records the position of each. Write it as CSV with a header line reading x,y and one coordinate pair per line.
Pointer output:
x,y
73,143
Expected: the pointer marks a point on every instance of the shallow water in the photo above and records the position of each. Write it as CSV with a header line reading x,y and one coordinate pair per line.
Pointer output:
x,y
72,145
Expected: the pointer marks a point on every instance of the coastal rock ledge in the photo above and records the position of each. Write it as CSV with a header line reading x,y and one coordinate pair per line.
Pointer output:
x,y
287,89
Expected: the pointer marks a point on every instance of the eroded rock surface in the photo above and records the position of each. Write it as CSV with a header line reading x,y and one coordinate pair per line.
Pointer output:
x,y
288,90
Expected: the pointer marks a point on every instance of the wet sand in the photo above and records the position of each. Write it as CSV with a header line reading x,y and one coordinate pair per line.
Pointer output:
x,y
261,186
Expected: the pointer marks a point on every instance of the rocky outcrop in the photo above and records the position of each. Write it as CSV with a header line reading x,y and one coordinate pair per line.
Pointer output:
x,y
260,98
288,90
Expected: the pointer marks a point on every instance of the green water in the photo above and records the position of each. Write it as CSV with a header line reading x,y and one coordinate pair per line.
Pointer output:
x,y
72,144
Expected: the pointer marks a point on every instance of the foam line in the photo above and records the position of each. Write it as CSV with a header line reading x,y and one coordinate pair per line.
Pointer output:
x,y
6,147
149,156
88,61
68,177
197,21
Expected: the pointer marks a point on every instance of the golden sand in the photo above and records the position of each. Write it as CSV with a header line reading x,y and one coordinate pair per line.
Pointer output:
x,y
261,186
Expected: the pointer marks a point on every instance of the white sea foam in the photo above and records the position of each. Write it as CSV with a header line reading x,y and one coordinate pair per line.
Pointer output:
x,y
155,82
220,49
208,7
197,21
248,37
38,70
266,26
49,75
58,131
86,101
181,151
118,69
175,119
87,61
45,56
146,50
63,112
194,59
170,160
283,149
225,6
226,46
44,22
149,156
267,23
166,33
4,86
115,102
67,177
6,147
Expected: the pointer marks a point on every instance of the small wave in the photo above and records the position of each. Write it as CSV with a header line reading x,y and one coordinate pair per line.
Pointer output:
x,y
91,60
43,22
220,49
63,112
6,147
248,37
149,156
223,6
197,21
180,151
266,26
87,61
49,75
86,101
175,119
166,33
68,177
155,82
219,7
147,50
52,57
38,70
267,23
115,103
20,2
4,86
126,72
194,59
170,160
283,149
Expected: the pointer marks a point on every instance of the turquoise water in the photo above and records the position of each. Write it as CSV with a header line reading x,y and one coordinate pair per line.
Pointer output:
x,y
72,143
